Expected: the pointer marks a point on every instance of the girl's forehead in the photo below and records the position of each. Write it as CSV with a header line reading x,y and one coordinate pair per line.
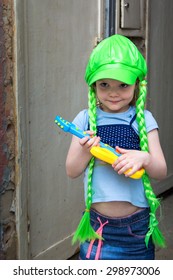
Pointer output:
x,y
110,81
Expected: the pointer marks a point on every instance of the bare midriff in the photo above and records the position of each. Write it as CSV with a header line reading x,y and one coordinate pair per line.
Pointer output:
x,y
115,209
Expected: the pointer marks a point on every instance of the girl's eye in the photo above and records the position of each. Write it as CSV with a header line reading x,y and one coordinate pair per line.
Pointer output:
x,y
124,85
104,85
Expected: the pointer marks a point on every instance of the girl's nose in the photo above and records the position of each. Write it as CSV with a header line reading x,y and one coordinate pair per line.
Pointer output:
x,y
113,91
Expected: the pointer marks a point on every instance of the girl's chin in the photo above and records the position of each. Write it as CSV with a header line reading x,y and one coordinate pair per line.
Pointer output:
x,y
115,108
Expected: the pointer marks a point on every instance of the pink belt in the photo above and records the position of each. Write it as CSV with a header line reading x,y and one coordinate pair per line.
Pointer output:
x,y
100,242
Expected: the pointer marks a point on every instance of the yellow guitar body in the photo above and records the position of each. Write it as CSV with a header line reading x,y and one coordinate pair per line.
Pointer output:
x,y
109,157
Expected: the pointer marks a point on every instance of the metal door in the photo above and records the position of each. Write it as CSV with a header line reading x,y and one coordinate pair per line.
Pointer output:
x,y
54,40
160,57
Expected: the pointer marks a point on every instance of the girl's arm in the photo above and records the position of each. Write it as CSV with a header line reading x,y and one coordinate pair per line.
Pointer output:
x,y
79,154
153,161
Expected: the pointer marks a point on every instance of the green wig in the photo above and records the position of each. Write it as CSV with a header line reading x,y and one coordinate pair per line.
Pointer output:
x,y
116,57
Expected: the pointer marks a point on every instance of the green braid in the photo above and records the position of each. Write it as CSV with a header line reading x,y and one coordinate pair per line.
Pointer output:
x,y
153,202
85,231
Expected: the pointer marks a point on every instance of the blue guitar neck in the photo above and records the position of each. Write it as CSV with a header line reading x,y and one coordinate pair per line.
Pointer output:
x,y
73,129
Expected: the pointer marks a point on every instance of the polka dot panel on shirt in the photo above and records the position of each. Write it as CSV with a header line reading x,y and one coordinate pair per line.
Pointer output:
x,y
120,135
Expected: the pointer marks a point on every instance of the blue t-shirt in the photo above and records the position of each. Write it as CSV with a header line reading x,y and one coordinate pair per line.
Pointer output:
x,y
107,185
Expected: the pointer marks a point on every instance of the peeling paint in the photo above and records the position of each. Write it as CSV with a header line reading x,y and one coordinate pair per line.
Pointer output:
x,y
5,179
7,134
6,150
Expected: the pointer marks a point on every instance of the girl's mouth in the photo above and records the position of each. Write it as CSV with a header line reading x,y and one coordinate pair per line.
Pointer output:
x,y
114,101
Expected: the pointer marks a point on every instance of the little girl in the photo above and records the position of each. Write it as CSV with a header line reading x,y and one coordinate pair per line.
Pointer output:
x,y
119,221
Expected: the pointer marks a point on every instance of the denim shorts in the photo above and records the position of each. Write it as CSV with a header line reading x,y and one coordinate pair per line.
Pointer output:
x,y
123,238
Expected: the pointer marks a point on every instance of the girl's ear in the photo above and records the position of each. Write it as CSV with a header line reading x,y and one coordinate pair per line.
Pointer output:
x,y
98,103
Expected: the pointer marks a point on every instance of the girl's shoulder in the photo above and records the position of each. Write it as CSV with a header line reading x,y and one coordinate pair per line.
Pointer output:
x,y
148,115
149,118
81,119
150,121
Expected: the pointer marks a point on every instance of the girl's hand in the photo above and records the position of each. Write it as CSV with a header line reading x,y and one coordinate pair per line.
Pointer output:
x,y
88,142
130,159
79,154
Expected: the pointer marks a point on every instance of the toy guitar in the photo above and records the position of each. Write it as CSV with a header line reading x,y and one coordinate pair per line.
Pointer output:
x,y
103,152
